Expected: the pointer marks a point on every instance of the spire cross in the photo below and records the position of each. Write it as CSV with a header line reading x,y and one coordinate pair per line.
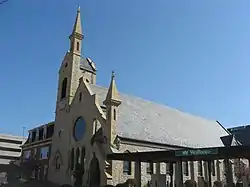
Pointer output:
x,y
113,74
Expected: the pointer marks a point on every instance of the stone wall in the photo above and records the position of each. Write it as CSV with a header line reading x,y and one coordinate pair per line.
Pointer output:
x,y
118,176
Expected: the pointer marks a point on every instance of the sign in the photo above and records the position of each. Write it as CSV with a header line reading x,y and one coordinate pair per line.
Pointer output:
x,y
197,152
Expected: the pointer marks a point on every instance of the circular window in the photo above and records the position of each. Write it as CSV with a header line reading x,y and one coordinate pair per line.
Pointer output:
x,y
79,128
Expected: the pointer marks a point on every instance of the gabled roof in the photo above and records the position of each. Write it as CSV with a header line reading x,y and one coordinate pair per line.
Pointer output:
x,y
230,140
145,120
241,134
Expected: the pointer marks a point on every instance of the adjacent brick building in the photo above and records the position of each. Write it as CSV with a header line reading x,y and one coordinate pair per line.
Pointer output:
x,y
36,152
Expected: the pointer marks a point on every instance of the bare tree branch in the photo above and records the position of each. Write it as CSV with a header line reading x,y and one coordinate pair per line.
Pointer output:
x,y
3,1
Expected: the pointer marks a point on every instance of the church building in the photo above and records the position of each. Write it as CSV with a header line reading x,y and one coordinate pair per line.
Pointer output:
x,y
92,121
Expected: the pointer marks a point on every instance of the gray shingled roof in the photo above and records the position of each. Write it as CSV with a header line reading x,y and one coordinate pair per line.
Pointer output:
x,y
145,120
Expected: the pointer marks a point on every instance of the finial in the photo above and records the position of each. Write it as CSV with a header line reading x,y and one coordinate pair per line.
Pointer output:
x,y
78,9
113,74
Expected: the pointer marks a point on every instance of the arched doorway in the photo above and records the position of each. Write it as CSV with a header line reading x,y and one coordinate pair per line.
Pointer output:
x,y
94,172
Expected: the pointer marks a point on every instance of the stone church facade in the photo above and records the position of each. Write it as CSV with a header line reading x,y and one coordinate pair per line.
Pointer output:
x,y
92,121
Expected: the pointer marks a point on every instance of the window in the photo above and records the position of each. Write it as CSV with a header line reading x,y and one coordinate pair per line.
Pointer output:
x,y
40,134
127,167
83,155
44,152
72,159
30,136
58,162
79,129
64,88
77,46
212,165
114,114
50,131
77,155
26,155
80,96
150,168
33,136
185,168
200,172
169,168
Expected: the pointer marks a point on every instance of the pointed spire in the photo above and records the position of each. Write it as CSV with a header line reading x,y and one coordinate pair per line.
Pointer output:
x,y
77,29
112,97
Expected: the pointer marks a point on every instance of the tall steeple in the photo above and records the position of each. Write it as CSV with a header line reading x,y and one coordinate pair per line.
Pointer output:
x,y
76,35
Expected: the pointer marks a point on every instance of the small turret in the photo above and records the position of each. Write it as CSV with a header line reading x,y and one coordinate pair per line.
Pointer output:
x,y
112,103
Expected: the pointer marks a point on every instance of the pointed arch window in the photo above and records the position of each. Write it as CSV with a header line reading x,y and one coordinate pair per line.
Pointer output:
x,y
77,46
77,156
114,114
72,159
58,162
64,88
82,155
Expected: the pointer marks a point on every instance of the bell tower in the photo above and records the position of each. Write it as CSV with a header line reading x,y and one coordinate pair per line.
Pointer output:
x,y
70,70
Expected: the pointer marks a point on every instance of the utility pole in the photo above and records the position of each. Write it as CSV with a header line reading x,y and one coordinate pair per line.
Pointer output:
x,y
23,127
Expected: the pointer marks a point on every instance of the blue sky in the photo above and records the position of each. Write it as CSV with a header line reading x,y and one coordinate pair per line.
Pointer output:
x,y
190,55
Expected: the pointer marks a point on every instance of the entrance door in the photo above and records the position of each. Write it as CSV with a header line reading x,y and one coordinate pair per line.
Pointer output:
x,y
94,172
